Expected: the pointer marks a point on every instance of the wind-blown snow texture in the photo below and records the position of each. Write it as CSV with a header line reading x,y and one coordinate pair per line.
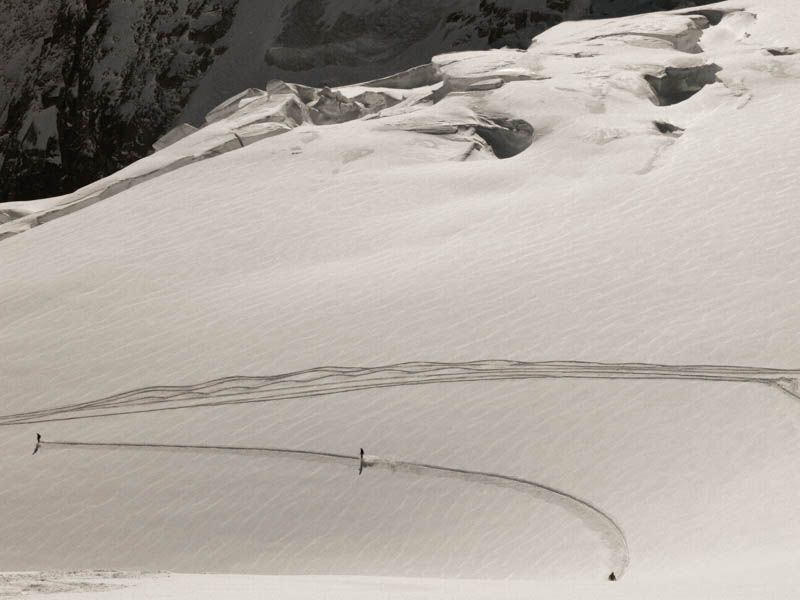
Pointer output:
x,y
651,219
87,86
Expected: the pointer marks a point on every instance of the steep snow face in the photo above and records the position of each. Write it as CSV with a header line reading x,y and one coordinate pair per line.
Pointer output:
x,y
379,224
88,87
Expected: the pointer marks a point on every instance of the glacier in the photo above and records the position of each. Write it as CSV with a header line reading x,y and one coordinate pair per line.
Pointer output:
x,y
622,191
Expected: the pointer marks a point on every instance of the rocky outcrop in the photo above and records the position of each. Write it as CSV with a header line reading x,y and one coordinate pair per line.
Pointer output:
x,y
106,81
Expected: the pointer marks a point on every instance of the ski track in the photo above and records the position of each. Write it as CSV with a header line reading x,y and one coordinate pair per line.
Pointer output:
x,y
590,515
311,383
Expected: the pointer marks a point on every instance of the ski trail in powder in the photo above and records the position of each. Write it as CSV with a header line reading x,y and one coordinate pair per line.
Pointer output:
x,y
592,517
324,381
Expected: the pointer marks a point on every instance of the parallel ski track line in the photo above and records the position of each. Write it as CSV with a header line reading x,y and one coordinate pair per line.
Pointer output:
x,y
593,517
324,381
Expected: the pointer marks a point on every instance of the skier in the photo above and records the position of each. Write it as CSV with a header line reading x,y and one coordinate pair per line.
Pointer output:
x,y
612,577
361,462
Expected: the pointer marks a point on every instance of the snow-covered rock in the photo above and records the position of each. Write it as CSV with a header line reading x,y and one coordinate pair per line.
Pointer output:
x,y
87,87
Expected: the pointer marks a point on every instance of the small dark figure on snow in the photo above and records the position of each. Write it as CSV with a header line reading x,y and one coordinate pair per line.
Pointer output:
x,y
612,577
361,462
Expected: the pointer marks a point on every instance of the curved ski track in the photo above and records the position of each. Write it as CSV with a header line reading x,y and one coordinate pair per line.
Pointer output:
x,y
593,517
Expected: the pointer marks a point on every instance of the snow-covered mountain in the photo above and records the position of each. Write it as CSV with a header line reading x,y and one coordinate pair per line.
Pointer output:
x,y
86,86
429,266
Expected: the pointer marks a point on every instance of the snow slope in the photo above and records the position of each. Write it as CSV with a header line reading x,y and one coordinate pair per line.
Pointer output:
x,y
630,230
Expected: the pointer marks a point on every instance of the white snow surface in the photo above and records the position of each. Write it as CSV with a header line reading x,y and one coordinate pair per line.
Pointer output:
x,y
166,586
374,242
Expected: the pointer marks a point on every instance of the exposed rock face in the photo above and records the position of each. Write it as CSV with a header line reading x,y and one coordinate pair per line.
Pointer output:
x,y
88,86
102,82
